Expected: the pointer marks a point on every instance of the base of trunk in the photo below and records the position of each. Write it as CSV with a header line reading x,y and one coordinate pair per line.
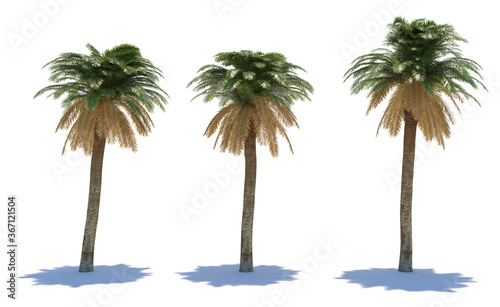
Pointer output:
x,y
405,262
87,262
246,264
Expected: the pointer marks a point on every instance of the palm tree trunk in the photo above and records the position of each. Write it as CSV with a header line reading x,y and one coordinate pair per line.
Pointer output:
x,y
87,258
405,256
246,262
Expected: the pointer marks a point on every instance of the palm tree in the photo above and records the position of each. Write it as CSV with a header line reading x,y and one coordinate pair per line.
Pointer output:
x,y
255,92
422,66
106,95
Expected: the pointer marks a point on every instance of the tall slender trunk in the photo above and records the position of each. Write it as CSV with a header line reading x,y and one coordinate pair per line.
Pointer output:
x,y
87,258
246,261
405,255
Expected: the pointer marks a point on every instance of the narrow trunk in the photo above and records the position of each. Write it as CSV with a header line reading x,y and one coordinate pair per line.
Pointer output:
x,y
87,259
405,256
246,261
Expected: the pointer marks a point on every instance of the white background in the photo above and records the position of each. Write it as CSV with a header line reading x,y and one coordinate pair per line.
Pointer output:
x,y
341,184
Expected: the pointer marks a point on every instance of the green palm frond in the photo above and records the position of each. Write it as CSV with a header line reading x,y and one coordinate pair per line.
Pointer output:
x,y
420,52
255,91
119,83
245,72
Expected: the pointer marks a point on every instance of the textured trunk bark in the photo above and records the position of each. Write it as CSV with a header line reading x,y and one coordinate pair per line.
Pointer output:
x,y
405,255
87,258
246,261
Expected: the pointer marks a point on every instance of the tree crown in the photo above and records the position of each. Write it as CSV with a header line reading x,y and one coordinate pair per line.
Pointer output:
x,y
255,92
245,75
421,64
104,93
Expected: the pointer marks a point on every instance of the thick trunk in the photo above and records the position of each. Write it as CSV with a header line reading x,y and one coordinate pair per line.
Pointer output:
x,y
87,258
405,256
246,261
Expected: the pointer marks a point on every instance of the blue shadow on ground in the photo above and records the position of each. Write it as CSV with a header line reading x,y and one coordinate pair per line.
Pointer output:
x,y
229,275
418,280
103,274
